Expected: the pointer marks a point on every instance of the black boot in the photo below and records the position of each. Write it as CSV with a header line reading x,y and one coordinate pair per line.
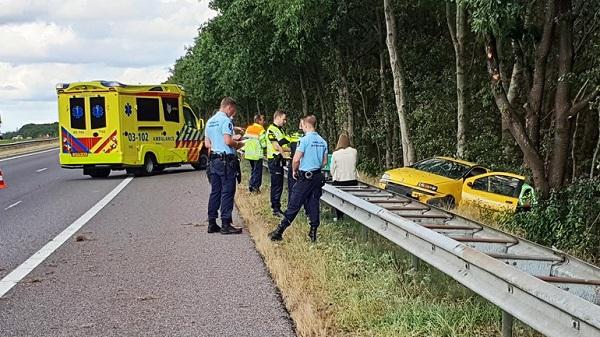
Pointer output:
x,y
229,229
277,234
313,234
213,227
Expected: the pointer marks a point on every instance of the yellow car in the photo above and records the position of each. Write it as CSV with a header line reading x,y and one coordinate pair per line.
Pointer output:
x,y
443,181
437,181
498,191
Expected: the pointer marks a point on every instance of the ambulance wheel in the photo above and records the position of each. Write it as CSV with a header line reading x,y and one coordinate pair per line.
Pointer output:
x,y
149,165
97,172
202,162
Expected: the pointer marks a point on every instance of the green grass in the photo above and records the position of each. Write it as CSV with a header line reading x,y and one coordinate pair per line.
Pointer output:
x,y
363,285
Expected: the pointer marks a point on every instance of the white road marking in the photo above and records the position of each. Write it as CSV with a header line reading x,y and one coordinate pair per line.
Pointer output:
x,y
41,170
26,267
13,205
28,154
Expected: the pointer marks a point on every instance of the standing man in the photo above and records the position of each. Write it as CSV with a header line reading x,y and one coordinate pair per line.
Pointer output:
x,y
276,151
253,148
310,158
224,166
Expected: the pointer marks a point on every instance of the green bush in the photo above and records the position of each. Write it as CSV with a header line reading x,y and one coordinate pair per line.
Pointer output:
x,y
569,220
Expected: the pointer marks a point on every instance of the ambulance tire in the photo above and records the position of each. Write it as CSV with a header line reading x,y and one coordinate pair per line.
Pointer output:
x,y
98,172
202,162
149,165
159,169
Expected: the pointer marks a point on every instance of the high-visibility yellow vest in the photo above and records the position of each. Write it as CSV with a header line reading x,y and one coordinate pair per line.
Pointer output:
x,y
274,134
256,141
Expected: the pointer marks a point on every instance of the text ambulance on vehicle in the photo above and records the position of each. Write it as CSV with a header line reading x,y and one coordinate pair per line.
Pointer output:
x,y
107,125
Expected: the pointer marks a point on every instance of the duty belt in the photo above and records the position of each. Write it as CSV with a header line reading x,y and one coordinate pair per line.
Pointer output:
x,y
308,174
222,156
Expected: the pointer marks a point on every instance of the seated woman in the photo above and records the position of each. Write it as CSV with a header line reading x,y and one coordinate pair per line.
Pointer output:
x,y
343,166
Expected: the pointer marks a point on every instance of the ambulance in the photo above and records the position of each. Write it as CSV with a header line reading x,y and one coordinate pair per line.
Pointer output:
x,y
143,129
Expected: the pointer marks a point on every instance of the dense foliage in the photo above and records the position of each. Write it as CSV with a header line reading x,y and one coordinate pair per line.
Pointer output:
x,y
509,84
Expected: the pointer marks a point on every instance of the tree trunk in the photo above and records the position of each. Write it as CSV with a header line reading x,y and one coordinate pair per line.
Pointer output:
x,y
345,95
562,100
304,96
383,93
536,94
258,107
408,154
597,150
458,40
531,156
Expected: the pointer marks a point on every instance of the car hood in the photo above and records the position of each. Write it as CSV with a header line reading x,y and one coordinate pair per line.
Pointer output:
x,y
411,177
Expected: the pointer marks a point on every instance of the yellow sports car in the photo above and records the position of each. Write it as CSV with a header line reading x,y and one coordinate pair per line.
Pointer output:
x,y
437,181
443,181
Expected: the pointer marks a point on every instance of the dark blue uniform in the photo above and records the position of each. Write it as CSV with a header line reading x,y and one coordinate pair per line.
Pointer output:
x,y
306,192
223,170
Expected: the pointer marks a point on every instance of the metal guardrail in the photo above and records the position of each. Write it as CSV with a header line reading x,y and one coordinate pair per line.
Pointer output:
x,y
27,142
552,292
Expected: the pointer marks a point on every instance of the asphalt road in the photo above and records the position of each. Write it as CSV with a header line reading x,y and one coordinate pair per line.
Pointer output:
x,y
142,266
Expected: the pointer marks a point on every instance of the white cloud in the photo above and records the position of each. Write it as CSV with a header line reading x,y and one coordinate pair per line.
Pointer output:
x,y
45,42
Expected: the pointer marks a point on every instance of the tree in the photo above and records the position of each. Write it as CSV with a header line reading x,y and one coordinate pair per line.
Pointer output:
x,y
458,28
408,153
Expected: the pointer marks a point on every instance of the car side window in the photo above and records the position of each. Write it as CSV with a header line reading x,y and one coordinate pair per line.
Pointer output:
x,y
480,184
189,117
475,171
506,186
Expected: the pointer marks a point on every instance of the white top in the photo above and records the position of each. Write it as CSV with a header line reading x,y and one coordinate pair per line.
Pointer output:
x,y
343,165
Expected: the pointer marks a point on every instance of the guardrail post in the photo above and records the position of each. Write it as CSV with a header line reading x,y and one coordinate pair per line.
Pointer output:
x,y
507,324
414,261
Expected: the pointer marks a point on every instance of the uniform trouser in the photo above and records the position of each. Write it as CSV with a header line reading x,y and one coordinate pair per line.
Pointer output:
x,y
276,172
306,193
290,178
222,189
255,174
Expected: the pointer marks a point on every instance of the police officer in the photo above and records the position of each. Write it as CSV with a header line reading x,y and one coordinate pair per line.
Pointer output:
x,y
224,166
310,157
276,152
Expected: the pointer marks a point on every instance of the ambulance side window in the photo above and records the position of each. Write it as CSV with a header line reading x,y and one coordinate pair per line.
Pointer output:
x,y
171,109
147,109
77,113
98,112
190,118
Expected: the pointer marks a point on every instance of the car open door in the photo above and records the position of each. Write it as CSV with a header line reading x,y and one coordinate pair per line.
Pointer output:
x,y
496,191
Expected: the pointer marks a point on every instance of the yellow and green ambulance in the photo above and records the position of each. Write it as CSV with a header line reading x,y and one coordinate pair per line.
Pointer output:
x,y
107,125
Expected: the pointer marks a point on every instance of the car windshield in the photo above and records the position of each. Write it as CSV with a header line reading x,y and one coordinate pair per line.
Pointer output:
x,y
442,167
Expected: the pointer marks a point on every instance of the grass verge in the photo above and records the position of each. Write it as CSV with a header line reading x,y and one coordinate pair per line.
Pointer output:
x,y
352,282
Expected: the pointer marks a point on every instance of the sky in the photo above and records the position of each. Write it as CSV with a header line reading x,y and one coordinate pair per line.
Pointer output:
x,y
45,42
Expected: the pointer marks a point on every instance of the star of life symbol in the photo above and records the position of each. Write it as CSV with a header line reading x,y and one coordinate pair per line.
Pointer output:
x,y
77,112
128,110
169,108
97,111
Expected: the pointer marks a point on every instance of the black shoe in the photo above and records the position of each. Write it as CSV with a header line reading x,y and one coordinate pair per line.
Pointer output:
x,y
254,190
313,234
278,213
275,235
213,227
229,229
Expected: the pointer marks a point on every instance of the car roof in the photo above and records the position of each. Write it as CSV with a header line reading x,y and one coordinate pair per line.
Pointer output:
x,y
464,162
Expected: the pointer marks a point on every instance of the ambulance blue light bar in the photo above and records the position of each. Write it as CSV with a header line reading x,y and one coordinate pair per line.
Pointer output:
x,y
112,84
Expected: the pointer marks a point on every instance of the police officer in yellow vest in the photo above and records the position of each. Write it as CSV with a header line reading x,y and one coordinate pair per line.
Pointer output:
x,y
254,145
277,151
